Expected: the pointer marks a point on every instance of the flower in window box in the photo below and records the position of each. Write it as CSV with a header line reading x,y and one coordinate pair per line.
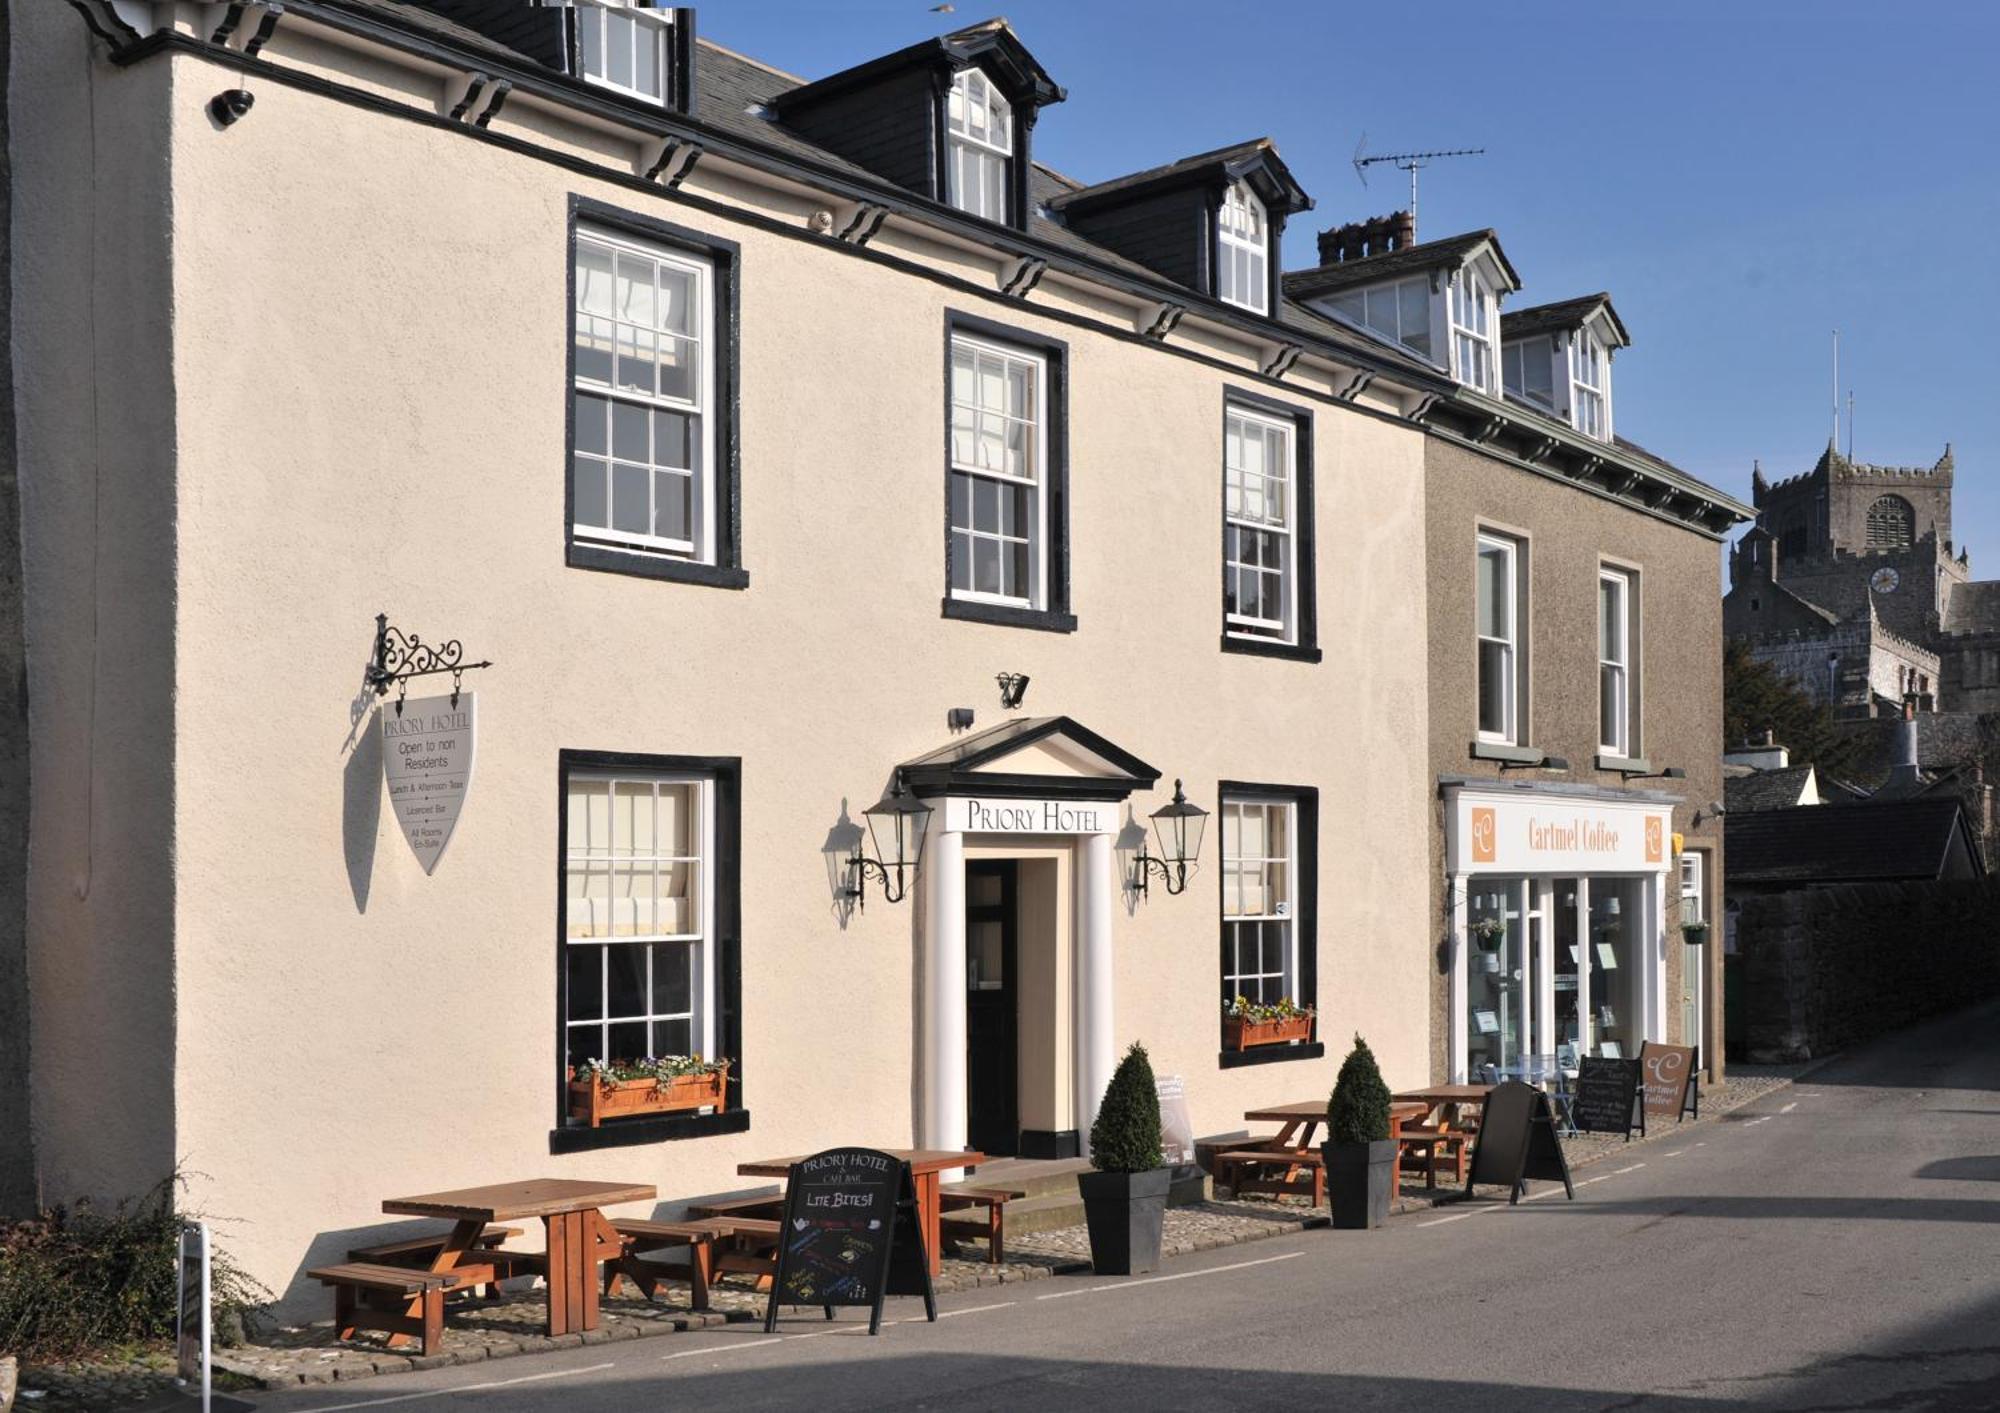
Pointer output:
x,y
1247,1024
600,1090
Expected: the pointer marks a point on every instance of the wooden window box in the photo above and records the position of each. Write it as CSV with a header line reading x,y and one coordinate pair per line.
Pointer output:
x,y
595,1100
1239,1033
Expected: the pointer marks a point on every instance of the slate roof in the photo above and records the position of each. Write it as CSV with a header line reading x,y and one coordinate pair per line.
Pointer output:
x,y
1236,154
416,17
1765,790
1974,607
1905,840
1345,274
1563,314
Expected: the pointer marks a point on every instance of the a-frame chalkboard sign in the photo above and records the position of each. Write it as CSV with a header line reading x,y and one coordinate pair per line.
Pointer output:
x,y
1606,1097
850,1236
1517,1141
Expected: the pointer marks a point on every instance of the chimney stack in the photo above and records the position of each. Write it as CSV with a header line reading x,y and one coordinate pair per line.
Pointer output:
x,y
1378,235
1903,764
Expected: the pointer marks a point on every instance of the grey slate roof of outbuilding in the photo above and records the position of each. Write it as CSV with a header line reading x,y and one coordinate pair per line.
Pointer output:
x,y
1867,842
1765,789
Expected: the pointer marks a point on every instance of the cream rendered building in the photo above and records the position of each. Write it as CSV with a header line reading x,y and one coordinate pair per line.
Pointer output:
x,y
745,451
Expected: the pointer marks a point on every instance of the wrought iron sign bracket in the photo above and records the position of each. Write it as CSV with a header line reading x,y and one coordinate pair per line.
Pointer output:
x,y
399,656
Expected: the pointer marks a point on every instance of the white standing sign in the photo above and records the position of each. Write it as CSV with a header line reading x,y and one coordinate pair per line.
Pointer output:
x,y
427,757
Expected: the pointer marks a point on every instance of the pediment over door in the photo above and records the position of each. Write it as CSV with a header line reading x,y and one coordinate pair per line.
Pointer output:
x,y
1039,757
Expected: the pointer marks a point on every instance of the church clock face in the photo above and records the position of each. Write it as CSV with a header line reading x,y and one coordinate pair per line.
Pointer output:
x,y
1884,580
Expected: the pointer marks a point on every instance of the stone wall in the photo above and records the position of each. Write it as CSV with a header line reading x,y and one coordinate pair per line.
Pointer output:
x,y
1824,968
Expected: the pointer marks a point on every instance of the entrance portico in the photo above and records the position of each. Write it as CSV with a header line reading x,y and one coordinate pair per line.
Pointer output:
x,y
1046,792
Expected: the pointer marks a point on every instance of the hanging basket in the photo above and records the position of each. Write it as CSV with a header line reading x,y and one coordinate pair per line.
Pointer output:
x,y
1695,934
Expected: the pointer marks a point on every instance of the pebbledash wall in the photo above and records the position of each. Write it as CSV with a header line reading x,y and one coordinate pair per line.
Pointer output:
x,y
282,375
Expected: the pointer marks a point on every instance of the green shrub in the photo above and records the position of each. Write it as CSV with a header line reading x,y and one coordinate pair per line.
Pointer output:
x,y
1358,1112
76,1281
1126,1136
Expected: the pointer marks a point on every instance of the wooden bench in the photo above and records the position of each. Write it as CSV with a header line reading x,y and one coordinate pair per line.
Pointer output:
x,y
961,1196
744,1246
762,1206
1421,1148
361,1289
1242,1170
1207,1150
420,1251
642,1236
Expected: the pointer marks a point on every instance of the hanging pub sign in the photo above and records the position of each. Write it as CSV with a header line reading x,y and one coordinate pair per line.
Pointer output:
x,y
1517,1141
850,1236
1670,1076
427,749
1605,1098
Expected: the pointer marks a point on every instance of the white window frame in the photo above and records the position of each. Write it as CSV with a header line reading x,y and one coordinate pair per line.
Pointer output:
x,y
1474,318
1509,549
1614,662
969,86
1037,484
701,546
701,1016
1366,297
1243,247
1278,909
655,27
1236,515
1589,385
1515,360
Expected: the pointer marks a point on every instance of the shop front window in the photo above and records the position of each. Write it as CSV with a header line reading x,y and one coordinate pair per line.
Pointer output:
x,y
1497,927
1617,950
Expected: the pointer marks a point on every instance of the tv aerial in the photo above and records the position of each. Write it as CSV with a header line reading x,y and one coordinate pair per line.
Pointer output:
x,y
1411,162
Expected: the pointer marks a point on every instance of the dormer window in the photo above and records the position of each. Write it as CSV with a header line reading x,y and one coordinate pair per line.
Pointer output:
x,y
1589,400
1528,371
1399,311
979,140
1473,318
625,47
1243,275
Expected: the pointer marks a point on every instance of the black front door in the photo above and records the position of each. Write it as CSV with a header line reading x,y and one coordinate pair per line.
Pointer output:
x,y
992,1120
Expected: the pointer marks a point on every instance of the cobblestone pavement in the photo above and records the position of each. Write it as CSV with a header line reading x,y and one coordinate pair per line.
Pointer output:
x,y
512,1325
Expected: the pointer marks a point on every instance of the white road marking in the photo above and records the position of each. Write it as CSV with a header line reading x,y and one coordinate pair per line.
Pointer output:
x,y
1789,1107
1440,1221
1183,1276
977,1309
1545,1192
727,1348
1633,1168
1754,1122
1675,1154
1601,1177
463,1388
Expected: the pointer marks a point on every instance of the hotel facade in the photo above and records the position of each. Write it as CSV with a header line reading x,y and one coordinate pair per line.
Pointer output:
x,y
762,452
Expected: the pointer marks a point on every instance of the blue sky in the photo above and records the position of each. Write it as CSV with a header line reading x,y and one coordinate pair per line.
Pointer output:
x,y
1743,178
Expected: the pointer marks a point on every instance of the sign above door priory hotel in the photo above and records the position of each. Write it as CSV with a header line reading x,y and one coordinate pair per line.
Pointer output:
x,y
971,814
1534,833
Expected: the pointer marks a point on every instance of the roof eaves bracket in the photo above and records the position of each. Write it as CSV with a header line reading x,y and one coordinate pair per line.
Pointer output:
x,y
860,223
1283,356
1019,276
268,26
671,164
1156,321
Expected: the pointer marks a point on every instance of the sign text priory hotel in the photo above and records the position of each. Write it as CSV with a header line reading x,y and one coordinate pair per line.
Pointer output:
x,y
744,783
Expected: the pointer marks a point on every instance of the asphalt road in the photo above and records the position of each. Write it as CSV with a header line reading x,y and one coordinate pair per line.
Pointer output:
x,y
1835,1245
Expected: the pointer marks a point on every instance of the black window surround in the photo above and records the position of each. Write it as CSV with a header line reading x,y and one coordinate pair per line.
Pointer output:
x,y
1306,590
725,256
1305,925
1056,616
680,50
726,950
1022,113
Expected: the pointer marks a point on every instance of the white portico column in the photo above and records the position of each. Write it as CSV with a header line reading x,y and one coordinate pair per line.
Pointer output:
x,y
1096,1045
944,993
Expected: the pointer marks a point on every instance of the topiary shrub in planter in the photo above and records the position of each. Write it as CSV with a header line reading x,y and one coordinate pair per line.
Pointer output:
x,y
1359,1154
1125,1200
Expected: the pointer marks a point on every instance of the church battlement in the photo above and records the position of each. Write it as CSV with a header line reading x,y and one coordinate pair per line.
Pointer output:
x,y
1832,466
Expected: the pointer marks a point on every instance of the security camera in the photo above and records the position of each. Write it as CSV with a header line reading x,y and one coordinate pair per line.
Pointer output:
x,y
230,104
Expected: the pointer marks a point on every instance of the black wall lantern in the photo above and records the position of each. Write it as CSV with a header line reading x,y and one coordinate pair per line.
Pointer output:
x,y
896,826
1177,825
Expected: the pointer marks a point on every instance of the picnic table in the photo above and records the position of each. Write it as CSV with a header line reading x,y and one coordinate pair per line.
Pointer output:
x,y
1447,1101
926,1164
1293,1147
579,1237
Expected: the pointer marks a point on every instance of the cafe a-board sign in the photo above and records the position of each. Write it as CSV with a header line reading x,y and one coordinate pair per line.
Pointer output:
x,y
1517,1141
1671,1080
1605,1097
427,745
850,1236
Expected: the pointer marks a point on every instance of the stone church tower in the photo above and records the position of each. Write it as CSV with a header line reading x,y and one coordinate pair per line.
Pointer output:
x,y
1851,584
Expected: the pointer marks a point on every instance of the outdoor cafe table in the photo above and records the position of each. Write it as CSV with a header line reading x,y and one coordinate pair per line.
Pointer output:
x,y
579,1236
1299,1121
925,1166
